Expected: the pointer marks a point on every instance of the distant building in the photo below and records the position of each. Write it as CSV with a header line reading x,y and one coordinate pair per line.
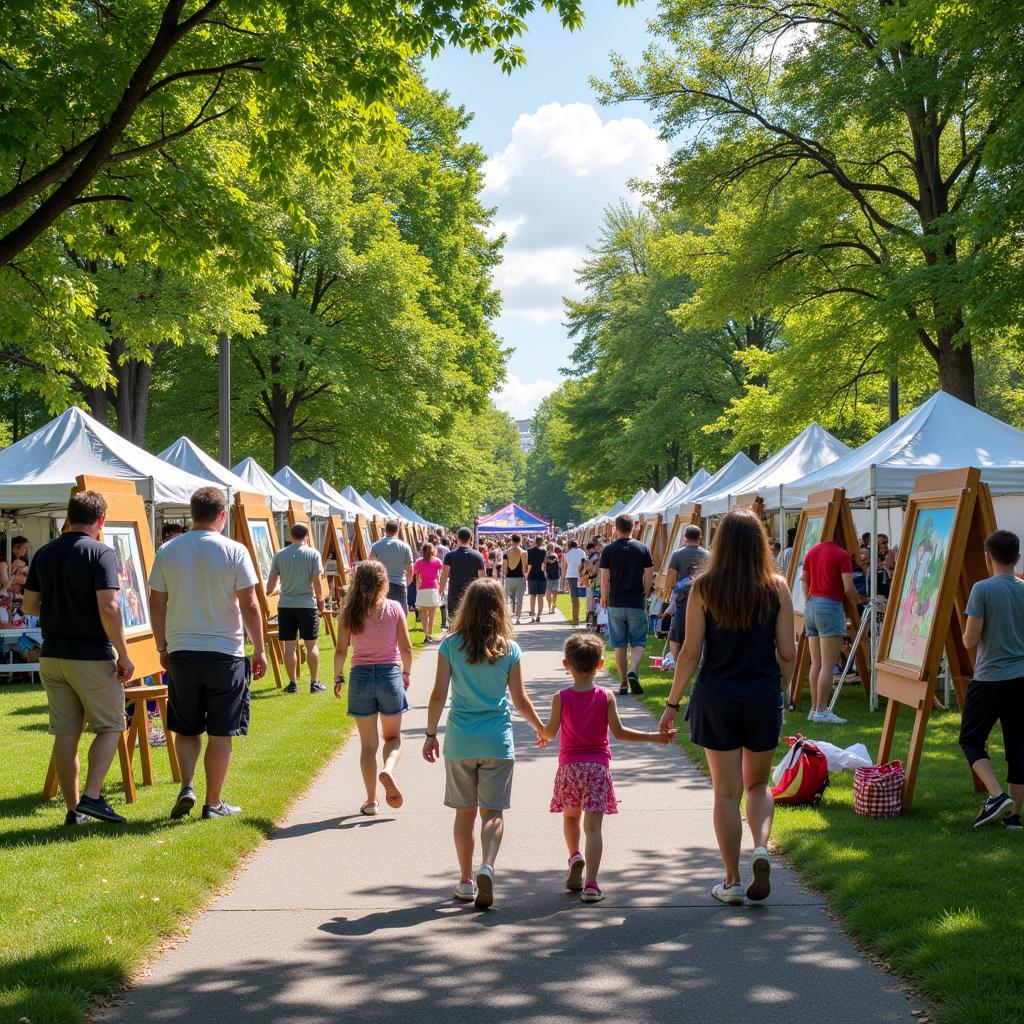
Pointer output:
x,y
525,434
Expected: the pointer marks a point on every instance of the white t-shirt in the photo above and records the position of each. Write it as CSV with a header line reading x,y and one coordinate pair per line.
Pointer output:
x,y
200,572
574,558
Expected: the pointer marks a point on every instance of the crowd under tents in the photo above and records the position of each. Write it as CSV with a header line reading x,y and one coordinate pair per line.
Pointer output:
x,y
38,472
811,450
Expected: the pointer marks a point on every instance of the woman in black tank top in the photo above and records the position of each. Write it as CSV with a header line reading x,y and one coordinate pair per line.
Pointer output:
x,y
515,577
740,619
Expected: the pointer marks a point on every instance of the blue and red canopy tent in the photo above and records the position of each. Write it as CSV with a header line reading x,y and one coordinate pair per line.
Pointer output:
x,y
512,518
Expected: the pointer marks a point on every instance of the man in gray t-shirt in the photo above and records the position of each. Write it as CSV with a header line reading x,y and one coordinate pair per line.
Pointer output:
x,y
299,569
686,561
995,629
396,556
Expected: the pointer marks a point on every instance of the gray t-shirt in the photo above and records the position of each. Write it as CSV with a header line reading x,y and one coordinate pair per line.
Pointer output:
x,y
200,572
396,556
999,603
686,560
297,565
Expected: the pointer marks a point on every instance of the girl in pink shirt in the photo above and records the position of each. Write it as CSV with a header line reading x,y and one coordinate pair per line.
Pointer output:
x,y
425,571
585,714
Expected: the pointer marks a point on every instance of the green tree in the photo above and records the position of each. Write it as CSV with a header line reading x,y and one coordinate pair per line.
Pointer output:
x,y
547,488
849,109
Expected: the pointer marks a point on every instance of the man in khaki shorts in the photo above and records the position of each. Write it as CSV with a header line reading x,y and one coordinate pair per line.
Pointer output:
x,y
72,586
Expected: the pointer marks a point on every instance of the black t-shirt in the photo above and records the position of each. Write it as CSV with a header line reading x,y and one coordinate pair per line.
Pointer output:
x,y
464,565
626,560
535,563
66,573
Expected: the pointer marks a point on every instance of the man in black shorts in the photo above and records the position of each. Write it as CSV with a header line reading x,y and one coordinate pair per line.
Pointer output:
x,y
300,569
686,561
202,592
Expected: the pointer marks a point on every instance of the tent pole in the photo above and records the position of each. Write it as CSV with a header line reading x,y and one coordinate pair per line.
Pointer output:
x,y
152,510
873,593
782,520
227,520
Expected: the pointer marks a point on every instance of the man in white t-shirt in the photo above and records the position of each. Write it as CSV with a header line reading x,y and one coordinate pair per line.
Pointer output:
x,y
573,558
202,594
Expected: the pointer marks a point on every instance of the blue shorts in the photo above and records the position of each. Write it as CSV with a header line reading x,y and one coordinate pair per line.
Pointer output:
x,y
824,616
627,627
376,690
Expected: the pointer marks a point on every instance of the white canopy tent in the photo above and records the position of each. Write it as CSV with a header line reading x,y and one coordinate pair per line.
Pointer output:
x,y
639,500
259,480
665,497
383,507
187,455
810,450
38,472
411,514
739,466
365,508
336,499
289,479
697,482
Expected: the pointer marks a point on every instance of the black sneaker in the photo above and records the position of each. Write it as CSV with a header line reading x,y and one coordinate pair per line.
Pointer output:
x,y
623,688
185,802
317,687
222,810
74,818
994,808
634,684
292,687
1013,823
102,811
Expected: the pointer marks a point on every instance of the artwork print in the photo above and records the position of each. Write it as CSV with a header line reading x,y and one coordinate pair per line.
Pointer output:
x,y
919,592
811,536
262,546
131,595
343,550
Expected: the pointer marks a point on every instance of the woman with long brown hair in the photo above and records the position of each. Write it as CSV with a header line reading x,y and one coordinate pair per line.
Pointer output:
x,y
377,630
740,618
480,662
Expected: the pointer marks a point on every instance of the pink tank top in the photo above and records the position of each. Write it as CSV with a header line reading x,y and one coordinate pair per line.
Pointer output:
x,y
583,732
377,644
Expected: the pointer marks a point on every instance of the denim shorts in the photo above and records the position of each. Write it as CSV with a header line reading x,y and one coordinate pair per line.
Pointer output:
x,y
376,690
824,616
627,627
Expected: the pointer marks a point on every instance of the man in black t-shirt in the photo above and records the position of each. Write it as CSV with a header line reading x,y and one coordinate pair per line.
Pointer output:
x,y
627,578
73,588
462,565
686,562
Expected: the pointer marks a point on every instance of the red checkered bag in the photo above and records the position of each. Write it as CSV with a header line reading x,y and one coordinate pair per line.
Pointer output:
x,y
878,790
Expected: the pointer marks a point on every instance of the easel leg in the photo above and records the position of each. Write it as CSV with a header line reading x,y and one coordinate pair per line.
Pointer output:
x,y
892,709
799,670
914,756
172,753
124,754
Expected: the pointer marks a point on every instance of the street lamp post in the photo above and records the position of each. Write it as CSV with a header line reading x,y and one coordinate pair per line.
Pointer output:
x,y
224,367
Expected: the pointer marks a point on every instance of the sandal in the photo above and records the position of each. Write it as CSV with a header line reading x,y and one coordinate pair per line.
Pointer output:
x,y
369,808
392,793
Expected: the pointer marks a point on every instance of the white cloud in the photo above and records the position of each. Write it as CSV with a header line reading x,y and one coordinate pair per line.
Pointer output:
x,y
547,266
520,398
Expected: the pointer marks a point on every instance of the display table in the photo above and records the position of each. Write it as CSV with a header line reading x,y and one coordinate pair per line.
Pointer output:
x,y
9,636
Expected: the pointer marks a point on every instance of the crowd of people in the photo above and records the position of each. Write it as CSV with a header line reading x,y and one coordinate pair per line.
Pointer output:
x,y
732,635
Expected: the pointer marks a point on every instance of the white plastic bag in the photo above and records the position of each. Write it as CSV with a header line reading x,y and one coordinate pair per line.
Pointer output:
x,y
849,759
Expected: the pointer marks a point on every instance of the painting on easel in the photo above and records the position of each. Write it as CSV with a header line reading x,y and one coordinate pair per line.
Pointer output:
x,y
810,535
131,575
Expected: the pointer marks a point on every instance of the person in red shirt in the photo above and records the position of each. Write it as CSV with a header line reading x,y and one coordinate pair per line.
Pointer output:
x,y
826,577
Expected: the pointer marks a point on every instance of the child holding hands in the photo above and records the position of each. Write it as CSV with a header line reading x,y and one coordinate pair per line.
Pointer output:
x,y
585,714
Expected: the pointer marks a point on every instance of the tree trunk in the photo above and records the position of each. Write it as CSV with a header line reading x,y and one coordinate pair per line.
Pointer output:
x,y
956,365
656,477
282,442
394,490
132,399
754,451
98,401
894,401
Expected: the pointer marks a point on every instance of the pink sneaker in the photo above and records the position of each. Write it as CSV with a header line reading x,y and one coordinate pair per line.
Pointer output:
x,y
592,893
574,874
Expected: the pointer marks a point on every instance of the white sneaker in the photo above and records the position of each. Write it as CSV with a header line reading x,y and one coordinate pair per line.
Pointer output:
x,y
574,873
830,718
761,867
813,716
484,886
668,662
733,895
465,891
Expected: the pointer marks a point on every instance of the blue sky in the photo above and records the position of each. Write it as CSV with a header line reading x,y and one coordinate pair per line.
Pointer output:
x,y
556,160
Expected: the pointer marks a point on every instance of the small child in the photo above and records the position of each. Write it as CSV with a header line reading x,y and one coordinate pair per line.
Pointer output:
x,y
586,713
995,627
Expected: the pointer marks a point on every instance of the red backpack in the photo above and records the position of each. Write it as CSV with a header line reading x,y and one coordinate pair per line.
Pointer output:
x,y
804,773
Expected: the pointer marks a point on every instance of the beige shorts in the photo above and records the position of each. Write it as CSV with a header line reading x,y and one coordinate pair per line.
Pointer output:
x,y
77,690
476,782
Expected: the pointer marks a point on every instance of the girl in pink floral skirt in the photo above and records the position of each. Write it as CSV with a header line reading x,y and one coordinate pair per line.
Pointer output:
x,y
585,714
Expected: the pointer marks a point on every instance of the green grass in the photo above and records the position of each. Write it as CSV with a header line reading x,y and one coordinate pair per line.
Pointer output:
x,y
937,900
83,908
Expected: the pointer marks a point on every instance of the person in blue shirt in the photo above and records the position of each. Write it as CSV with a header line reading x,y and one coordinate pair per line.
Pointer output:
x,y
481,664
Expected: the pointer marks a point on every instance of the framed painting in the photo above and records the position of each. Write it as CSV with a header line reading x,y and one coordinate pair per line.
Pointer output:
x,y
132,597
262,547
808,534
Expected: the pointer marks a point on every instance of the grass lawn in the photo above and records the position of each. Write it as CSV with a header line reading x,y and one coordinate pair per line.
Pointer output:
x,y
927,893
82,908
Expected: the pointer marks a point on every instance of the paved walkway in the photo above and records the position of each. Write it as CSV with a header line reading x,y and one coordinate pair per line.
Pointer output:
x,y
341,914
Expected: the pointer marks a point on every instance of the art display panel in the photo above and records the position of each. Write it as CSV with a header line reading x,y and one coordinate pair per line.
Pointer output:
x,y
811,536
132,596
263,547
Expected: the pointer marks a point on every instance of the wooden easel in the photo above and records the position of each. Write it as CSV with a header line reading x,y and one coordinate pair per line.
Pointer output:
x,y
250,509
376,529
336,549
126,508
752,501
961,491
826,516
665,579
297,514
361,540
